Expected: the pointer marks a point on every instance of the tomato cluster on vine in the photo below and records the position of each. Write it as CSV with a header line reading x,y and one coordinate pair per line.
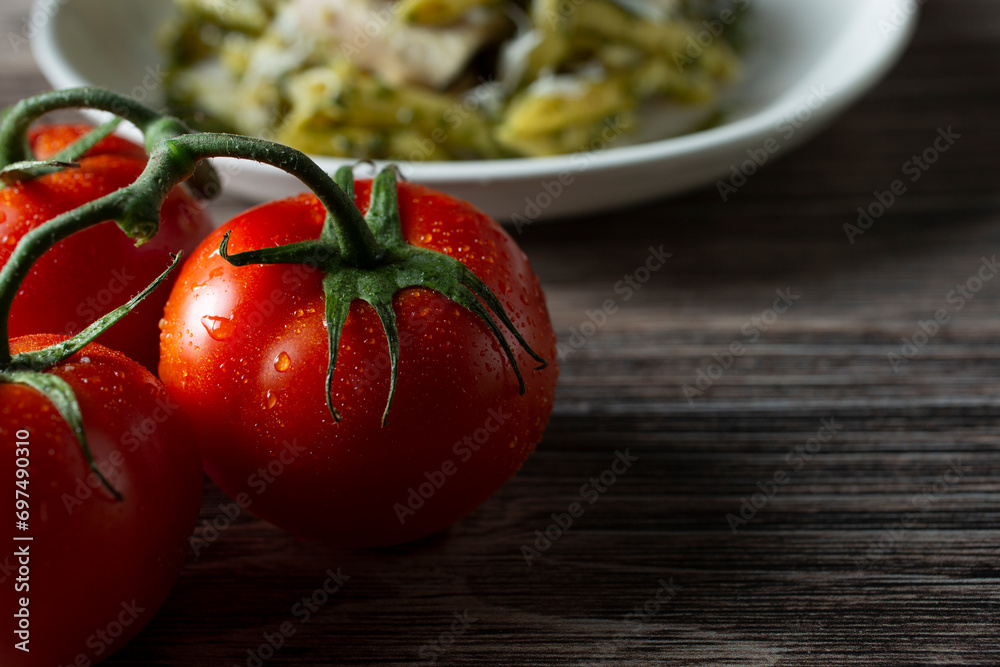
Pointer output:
x,y
379,326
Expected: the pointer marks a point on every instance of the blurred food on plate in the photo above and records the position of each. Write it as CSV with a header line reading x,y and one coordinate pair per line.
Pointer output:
x,y
445,79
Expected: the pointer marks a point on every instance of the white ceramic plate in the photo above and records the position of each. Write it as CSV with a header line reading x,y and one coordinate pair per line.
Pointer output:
x,y
810,59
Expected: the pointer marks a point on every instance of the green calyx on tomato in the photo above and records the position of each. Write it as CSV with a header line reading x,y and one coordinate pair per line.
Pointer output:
x,y
367,258
135,208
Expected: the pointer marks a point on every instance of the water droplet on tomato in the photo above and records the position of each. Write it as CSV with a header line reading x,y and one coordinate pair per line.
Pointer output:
x,y
282,362
270,399
216,272
299,312
219,328
10,239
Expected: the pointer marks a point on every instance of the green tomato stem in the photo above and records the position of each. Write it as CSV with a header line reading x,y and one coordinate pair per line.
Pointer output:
x,y
344,221
33,245
373,263
54,354
155,126
136,207
14,128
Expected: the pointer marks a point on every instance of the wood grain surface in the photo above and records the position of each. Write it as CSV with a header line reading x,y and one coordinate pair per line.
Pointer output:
x,y
874,536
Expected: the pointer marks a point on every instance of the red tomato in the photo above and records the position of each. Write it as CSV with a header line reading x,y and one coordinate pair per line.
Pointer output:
x,y
96,569
244,350
90,273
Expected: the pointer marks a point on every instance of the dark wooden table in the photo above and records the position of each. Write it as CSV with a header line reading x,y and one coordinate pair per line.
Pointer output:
x,y
869,485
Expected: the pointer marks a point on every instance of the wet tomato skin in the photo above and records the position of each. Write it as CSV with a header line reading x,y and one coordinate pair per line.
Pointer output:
x,y
244,350
92,272
99,569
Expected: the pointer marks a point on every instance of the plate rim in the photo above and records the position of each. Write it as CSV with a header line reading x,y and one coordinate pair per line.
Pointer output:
x,y
856,81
